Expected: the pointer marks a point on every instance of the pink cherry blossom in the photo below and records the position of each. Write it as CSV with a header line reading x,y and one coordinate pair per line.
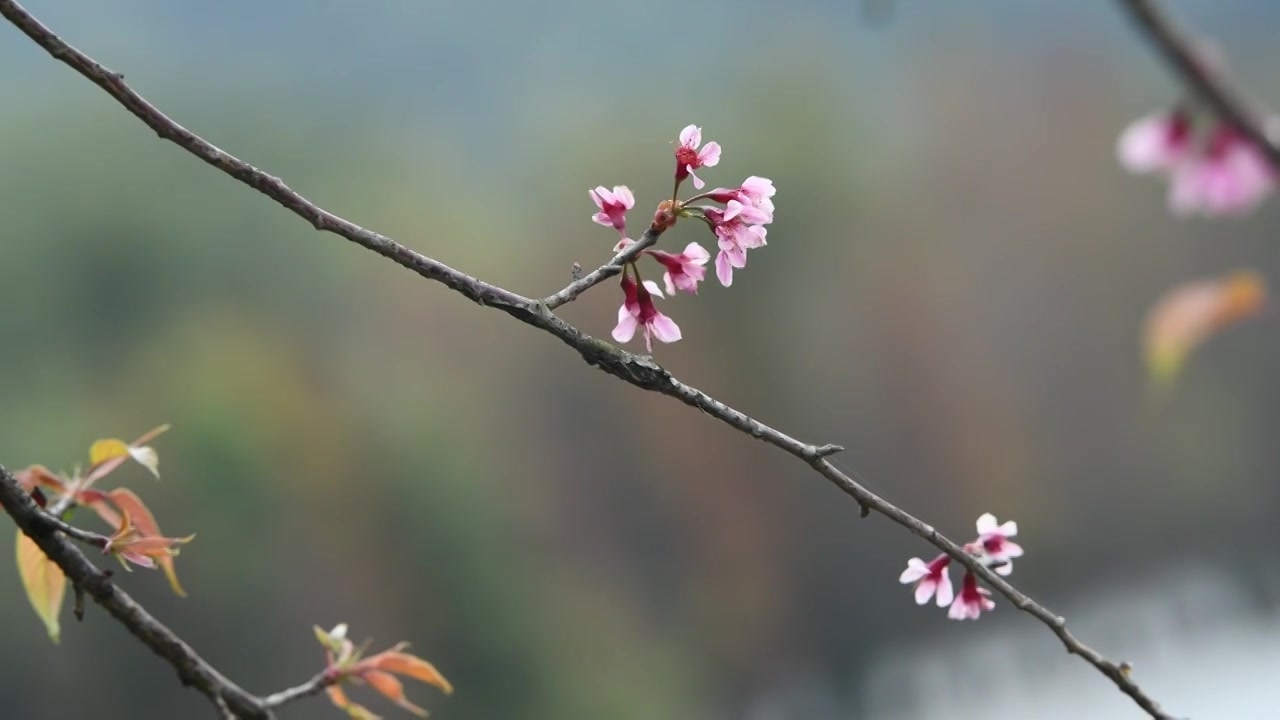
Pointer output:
x,y
755,192
638,310
735,234
972,600
613,206
684,271
1156,143
930,578
993,541
1230,177
690,158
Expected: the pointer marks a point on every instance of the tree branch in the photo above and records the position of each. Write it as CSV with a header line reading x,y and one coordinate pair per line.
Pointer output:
x,y
314,686
192,669
1177,49
641,371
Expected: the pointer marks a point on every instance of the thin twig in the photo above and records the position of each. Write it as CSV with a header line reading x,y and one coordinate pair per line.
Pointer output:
x,y
75,533
1178,51
637,370
314,686
604,272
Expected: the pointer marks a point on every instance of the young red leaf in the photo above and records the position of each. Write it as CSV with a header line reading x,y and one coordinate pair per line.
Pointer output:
x,y
38,476
146,525
44,582
128,544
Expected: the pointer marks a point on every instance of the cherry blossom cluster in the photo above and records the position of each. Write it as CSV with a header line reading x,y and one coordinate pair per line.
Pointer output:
x,y
1213,170
933,579
737,219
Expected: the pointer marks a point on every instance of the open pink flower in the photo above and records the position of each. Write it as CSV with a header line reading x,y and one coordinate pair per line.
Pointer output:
x,y
684,271
613,206
735,234
690,158
994,540
972,600
638,310
1230,177
755,192
930,578
1156,143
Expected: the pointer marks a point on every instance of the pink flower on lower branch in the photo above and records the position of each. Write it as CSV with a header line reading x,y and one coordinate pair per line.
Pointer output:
x,y
993,541
638,310
613,206
972,600
930,578
684,271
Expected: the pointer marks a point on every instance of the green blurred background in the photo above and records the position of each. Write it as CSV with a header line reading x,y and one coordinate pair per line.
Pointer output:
x,y
953,289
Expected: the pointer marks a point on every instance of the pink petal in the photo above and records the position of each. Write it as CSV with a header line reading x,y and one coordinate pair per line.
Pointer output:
x,y
724,271
958,611
1004,569
916,569
946,593
626,328
925,589
1009,529
602,218
696,254
1012,549
986,523
709,156
665,328
697,181
653,288
623,195
691,136
671,286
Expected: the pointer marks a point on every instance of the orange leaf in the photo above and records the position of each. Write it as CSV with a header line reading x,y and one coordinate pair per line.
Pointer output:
x,y
44,582
145,522
411,666
356,711
392,689
1191,313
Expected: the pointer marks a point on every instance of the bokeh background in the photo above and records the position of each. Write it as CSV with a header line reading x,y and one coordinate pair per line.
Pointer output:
x,y
954,289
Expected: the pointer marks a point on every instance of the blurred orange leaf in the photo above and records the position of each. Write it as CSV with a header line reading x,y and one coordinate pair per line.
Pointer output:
x,y
392,689
410,666
1191,313
39,476
44,582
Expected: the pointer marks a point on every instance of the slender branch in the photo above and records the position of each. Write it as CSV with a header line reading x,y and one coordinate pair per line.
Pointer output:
x,y
604,272
1177,48
84,536
314,686
192,669
637,370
